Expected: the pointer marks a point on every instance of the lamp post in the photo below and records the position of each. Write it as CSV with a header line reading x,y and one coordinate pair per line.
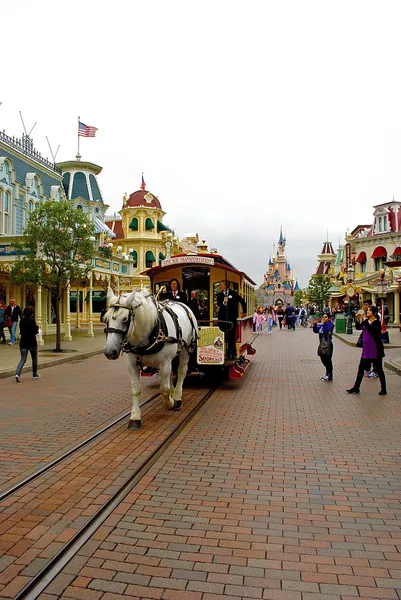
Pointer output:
x,y
169,243
381,288
350,294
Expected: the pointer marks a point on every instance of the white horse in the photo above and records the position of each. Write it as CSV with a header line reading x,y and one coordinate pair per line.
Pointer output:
x,y
151,334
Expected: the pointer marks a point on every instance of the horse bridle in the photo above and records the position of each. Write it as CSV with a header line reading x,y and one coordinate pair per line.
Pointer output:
x,y
123,333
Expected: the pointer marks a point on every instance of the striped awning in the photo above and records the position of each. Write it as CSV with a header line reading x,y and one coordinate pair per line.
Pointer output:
x,y
379,252
100,226
361,257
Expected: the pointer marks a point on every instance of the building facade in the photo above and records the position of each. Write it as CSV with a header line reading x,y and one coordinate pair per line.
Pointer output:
x,y
370,261
141,236
26,179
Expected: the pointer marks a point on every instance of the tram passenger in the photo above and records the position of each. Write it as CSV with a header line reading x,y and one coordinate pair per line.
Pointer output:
x,y
175,293
204,311
228,301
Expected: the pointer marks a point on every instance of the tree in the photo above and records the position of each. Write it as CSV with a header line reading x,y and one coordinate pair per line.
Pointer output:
x,y
318,290
298,297
57,249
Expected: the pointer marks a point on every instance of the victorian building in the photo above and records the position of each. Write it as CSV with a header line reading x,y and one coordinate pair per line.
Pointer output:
x,y
370,261
140,235
26,179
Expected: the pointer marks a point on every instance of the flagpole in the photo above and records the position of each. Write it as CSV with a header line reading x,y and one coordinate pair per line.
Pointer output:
x,y
78,154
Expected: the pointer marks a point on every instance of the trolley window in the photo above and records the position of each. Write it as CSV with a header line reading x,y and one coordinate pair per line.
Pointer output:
x,y
232,285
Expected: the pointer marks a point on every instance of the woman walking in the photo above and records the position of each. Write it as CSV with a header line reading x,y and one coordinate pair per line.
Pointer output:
x,y
372,350
270,318
324,327
28,333
280,315
2,321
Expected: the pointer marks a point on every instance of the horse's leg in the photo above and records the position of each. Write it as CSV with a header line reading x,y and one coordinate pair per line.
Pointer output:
x,y
135,421
182,371
165,385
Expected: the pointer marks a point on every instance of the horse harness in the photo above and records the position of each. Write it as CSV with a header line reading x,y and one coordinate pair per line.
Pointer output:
x,y
158,337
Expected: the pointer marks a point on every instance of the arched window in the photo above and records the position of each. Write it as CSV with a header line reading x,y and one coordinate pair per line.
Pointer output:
x,y
149,259
31,207
79,186
134,255
149,224
1,209
7,209
66,182
134,224
385,223
96,195
380,224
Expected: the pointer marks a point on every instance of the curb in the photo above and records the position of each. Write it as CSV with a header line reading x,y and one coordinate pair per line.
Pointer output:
x,y
52,362
390,365
349,342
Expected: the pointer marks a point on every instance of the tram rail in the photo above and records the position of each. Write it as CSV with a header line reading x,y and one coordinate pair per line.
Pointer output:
x,y
54,566
79,446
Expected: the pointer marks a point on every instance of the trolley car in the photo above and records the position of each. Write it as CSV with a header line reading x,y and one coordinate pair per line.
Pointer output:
x,y
199,276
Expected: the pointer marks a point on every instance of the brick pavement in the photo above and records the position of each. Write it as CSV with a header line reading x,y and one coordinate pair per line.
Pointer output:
x,y
40,419
282,488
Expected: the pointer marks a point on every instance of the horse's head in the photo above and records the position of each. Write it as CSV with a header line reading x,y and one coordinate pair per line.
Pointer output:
x,y
118,320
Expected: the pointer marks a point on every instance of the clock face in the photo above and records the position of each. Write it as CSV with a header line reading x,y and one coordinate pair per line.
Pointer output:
x,y
350,291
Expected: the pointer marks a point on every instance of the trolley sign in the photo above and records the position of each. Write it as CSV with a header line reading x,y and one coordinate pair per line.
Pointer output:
x,y
210,349
189,259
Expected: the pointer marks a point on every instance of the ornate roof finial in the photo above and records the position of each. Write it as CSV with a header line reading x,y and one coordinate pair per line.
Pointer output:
x,y
143,184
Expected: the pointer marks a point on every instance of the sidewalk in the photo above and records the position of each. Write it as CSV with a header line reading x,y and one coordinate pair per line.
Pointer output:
x,y
393,362
79,348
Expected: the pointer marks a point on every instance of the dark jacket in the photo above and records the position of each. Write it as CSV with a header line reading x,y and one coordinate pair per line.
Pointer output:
x,y
375,329
324,330
229,311
28,330
2,315
289,311
14,314
180,297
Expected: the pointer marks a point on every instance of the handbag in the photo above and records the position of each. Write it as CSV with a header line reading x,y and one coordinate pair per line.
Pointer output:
x,y
359,343
7,322
324,350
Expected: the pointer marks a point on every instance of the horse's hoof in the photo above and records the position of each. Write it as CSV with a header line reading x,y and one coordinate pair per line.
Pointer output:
x,y
177,404
134,424
169,403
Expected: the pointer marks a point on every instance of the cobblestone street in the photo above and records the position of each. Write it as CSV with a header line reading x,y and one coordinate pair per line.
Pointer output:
x,y
282,487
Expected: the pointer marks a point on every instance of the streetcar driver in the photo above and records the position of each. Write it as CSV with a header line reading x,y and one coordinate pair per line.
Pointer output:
x,y
228,301
175,293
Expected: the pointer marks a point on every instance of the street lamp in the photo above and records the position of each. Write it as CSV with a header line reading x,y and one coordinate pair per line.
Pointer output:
x,y
350,294
381,288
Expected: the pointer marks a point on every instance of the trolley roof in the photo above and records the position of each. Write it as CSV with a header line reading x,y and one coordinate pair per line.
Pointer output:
x,y
203,258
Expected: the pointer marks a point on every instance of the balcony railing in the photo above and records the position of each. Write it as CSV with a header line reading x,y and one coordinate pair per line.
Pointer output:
x,y
25,146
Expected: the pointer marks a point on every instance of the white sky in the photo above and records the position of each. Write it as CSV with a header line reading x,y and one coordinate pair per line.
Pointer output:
x,y
244,116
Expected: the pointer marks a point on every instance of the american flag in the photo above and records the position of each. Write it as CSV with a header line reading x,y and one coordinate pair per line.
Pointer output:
x,y
86,130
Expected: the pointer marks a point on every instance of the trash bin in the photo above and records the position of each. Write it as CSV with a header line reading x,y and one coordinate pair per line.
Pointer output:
x,y
340,323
